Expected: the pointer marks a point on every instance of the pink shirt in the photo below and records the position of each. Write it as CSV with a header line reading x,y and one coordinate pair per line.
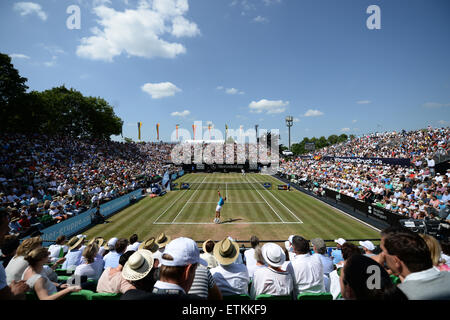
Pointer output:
x,y
114,283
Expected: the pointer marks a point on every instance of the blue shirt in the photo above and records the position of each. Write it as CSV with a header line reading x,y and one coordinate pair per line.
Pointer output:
x,y
73,259
112,259
221,202
337,256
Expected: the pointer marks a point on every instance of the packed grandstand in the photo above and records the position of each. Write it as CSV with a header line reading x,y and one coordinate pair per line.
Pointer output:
x,y
46,180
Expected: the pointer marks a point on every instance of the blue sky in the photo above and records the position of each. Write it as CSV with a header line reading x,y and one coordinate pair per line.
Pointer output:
x,y
242,62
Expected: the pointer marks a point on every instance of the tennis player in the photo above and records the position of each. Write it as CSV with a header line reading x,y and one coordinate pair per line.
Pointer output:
x,y
219,207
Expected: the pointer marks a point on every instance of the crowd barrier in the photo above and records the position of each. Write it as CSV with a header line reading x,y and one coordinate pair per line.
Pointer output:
x,y
81,221
368,210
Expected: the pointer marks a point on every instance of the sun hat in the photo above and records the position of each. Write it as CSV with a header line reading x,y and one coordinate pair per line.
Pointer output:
x,y
149,244
74,242
139,264
98,240
111,243
184,251
367,244
162,240
273,254
340,241
226,251
204,245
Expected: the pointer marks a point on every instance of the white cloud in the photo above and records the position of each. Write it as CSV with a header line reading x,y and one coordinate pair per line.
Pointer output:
x,y
269,2
354,121
139,32
230,90
435,105
260,19
26,8
184,113
363,102
52,62
313,113
160,90
268,106
296,120
19,56
345,129
443,122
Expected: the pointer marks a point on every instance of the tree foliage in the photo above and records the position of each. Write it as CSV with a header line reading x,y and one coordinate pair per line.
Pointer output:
x,y
322,142
58,110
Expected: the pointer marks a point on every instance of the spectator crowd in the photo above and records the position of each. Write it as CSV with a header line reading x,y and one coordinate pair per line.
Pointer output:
x,y
415,192
47,180
404,266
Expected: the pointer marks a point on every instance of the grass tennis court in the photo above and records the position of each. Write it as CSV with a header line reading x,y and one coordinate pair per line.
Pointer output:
x,y
250,209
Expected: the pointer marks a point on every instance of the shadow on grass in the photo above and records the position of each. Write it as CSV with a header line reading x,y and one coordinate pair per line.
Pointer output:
x,y
229,221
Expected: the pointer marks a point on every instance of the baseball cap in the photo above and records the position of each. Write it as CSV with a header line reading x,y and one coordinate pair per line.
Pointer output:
x,y
367,244
340,241
184,251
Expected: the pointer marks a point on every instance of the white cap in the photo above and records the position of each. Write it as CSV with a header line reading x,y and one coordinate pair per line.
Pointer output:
x,y
79,236
340,241
112,242
184,251
291,237
367,244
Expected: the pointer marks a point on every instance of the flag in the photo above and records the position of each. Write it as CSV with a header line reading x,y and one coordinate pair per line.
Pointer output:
x,y
193,129
157,131
209,130
226,131
139,130
177,129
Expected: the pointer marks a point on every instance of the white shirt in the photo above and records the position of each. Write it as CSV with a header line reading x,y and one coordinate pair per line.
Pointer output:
x,y
168,286
250,260
307,271
269,281
431,273
231,279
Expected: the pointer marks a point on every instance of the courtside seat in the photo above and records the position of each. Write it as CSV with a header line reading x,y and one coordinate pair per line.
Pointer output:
x,y
31,295
237,297
315,296
62,272
272,297
106,296
80,295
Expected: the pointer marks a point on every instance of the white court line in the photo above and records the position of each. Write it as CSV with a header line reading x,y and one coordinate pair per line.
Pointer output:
x,y
188,200
265,200
175,201
225,222
282,203
229,202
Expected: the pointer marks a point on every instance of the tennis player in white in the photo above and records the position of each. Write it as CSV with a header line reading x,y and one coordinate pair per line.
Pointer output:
x,y
219,207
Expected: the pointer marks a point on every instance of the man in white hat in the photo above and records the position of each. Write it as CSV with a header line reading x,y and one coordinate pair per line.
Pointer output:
x,y
231,278
178,264
272,279
336,254
368,248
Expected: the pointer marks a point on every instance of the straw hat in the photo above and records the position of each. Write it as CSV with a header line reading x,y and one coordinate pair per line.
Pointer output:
x,y
138,265
99,240
162,240
74,242
204,244
149,244
273,255
226,251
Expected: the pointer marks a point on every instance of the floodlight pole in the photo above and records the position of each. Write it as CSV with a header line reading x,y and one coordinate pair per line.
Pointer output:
x,y
289,124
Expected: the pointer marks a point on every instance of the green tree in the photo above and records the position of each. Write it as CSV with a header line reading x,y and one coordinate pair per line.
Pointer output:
x,y
12,93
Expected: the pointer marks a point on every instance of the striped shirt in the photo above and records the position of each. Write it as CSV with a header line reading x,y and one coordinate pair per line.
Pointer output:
x,y
203,281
